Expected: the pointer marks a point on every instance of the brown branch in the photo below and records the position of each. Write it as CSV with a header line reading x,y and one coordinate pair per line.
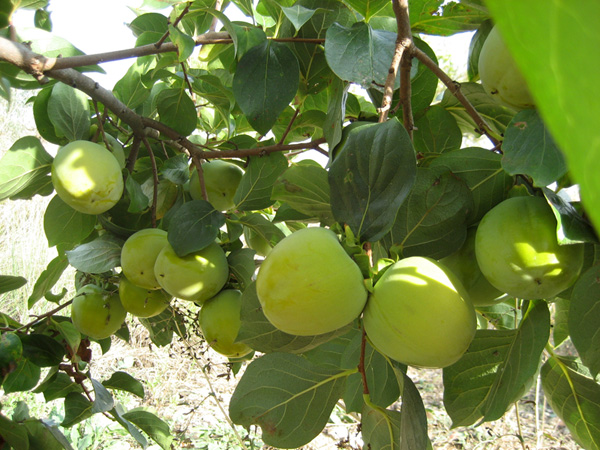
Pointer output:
x,y
177,20
39,318
406,92
454,88
200,172
154,181
403,44
289,126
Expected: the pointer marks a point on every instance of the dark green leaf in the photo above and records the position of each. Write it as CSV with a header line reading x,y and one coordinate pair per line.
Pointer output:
x,y
583,318
481,169
162,326
298,15
24,164
149,22
256,186
305,188
58,385
10,283
125,382
360,54
242,265
290,398
98,256
42,350
475,49
46,436
14,433
436,132
130,89
185,44
177,110
41,19
371,177
131,428
176,169
48,278
367,8
560,329
69,112
430,17
156,428
265,82
433,220
77,408
497,369
529,149
63,225
103,400
571,227
336,106
575,399
198,225
138,201
24,378
42,119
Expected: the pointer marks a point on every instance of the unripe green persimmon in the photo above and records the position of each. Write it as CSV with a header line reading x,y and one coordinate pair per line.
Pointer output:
x,y
221,179
518,252
420,314
220,323
196,277
138,256
308,284
500,75
142,302
97,313
87,177
463,264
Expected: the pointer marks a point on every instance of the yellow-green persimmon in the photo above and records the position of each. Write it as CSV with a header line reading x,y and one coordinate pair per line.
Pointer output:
x,y
500,75
96,312
518,251
138,256
463,264
87,177
420,314
220,323
308,285
196,277
221,179
142,302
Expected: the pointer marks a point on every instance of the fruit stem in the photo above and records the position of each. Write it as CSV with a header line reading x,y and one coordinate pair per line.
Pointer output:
x,y
361,363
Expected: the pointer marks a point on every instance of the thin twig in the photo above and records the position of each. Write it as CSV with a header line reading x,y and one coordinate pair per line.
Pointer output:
x,y
41,317
154,179
177,20
289,126
200,172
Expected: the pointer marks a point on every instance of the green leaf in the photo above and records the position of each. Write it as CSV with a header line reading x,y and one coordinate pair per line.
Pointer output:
x,y
265,82
257,332
46,436
177,110
42,119
566,100
98,256
481,169
23,165
433,220
371,177
367,8
103,400
242,265
198,225
360,54
77,408
571,227
263,227
42,350
436,132
162,326
24,378
583,318
124,382
560,329
497,369
497,116
185,44
138,201
176,169
58,385
148,422
256,186
475,49
11,283
290,398
149,22
130,89
63,225
575,399
48,278
428,16
298,15
69,112
529,149
305,188
336,112
13,433
117,413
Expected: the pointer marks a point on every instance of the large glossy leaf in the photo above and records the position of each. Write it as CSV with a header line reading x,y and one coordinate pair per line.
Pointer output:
x,y
10,283
572,228
197,226
265,82
575,399
48,278
566,100
433,219
482,170
177,110
584,314
371,177
367,8
63,225
360,54
69,112
155,427
529,149
98,256
430,17
497,369
289,397
256,186
23,165
436,132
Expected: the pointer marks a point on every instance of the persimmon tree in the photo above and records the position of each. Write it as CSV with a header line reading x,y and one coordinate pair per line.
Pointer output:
x,y
352,82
